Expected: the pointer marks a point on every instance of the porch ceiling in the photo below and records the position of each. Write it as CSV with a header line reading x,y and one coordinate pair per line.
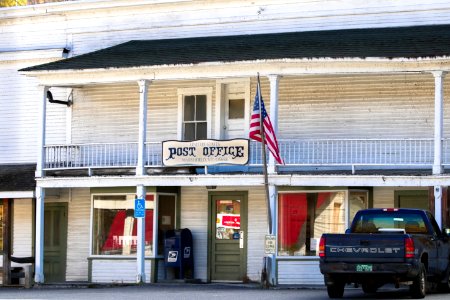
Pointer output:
x,y
374,44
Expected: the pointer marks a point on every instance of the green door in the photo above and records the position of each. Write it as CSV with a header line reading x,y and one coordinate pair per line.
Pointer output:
x,y
228,237
55,242
412,199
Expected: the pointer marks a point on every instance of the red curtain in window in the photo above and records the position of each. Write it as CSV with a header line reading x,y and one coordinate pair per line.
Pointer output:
x,y
291,218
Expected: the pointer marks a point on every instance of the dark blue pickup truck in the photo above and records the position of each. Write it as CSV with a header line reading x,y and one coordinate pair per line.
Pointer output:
x,y
399,246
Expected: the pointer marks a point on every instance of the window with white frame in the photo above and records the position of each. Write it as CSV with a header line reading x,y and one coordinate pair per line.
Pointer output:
x,y
114,228
194,113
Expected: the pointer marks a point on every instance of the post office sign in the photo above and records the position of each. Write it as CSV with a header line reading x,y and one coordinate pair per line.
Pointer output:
x,y
205,152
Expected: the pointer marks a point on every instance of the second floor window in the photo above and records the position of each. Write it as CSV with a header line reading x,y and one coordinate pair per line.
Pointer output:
x,y
194,117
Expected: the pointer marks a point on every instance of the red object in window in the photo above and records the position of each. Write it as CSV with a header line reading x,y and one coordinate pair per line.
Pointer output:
x,y
231,221
292,217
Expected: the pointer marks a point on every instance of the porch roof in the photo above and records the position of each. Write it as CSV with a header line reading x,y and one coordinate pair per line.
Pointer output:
x,y
17,177
388,43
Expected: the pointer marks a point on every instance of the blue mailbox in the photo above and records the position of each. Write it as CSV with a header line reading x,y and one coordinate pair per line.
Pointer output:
x,y
178,252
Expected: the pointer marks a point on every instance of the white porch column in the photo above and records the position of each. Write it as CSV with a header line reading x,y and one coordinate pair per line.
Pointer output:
x,y
274,84
273,194
438,205
39,256
140,253
438,120
41,131
143,92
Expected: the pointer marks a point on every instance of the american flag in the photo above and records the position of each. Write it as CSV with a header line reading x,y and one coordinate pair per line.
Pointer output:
x,y
269,134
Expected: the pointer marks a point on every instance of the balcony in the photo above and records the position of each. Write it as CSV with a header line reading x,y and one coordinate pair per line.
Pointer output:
x,y
298,154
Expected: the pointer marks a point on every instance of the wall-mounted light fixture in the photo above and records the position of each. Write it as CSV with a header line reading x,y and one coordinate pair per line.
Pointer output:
x,y
51,100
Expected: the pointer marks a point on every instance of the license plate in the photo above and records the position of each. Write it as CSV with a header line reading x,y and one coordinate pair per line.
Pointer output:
x,y
363,268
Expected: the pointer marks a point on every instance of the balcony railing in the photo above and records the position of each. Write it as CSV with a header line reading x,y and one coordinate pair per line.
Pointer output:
x,y
398,153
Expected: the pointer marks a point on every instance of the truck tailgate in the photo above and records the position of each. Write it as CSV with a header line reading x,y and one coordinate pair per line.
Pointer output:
x,y
359,247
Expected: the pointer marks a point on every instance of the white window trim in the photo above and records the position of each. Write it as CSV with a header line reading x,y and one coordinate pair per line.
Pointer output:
x,y
346,208
91,234
208,91
220,109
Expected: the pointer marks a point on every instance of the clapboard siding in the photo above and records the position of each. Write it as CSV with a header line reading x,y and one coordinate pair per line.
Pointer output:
x,y
357,106
106,271
109,113
22,228
385,196
299,272
194,215
257,229
78,233
19,102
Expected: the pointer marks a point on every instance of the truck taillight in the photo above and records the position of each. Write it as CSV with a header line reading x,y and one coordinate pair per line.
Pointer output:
x,y
322,247
409,248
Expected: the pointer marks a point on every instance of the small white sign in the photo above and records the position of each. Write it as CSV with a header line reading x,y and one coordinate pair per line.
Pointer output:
x,y
187,252
270,244
173,256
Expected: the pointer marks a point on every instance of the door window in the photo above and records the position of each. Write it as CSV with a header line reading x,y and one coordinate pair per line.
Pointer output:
x,y
228,219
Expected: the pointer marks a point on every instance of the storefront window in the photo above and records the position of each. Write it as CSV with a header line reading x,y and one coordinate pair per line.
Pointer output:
x,y
357,200
303,217
114,225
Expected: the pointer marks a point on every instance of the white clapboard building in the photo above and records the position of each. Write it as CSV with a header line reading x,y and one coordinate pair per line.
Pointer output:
x,y
112,108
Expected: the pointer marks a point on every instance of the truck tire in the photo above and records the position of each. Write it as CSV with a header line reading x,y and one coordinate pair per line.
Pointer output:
x,y
418,289
444,287
335,290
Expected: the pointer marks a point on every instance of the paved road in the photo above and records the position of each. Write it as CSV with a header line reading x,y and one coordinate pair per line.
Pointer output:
x,y
197,291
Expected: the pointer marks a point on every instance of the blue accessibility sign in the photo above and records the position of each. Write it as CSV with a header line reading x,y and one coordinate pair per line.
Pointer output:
x,y
139,208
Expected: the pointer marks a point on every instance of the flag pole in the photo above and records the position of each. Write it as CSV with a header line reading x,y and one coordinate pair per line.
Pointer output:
x,y
263,151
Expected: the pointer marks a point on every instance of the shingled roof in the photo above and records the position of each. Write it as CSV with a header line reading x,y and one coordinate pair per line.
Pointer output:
x,y
17,177
398,42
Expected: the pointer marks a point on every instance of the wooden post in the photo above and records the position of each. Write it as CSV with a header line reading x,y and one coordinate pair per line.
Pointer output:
x,y
6,241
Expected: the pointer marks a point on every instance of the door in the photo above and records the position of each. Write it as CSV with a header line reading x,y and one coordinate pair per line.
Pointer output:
x,y
228,237
55,242
235,111
412,199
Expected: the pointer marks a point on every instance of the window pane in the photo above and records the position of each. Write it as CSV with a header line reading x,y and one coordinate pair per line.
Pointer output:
x,y
115,228
189,108
228,219
357,201
304,217
189,131
236,108
201,131
201,108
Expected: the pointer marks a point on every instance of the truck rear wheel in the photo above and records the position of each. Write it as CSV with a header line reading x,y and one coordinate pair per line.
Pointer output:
x,y
418,289
335,290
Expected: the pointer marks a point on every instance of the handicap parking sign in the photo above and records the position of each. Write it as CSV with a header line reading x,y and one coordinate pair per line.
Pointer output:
x,y
139,208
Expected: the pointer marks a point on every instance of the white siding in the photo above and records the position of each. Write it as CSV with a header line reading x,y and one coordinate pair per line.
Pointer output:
x,y
385,196
22,227
356,106
297,272
19,102
257,229
194,215
78,233
106,271
109,113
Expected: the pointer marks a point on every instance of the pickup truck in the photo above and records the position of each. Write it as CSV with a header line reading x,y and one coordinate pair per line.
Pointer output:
x,y
399,246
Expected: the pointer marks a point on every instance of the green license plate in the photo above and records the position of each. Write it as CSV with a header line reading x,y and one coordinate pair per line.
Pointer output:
x,y
363,268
